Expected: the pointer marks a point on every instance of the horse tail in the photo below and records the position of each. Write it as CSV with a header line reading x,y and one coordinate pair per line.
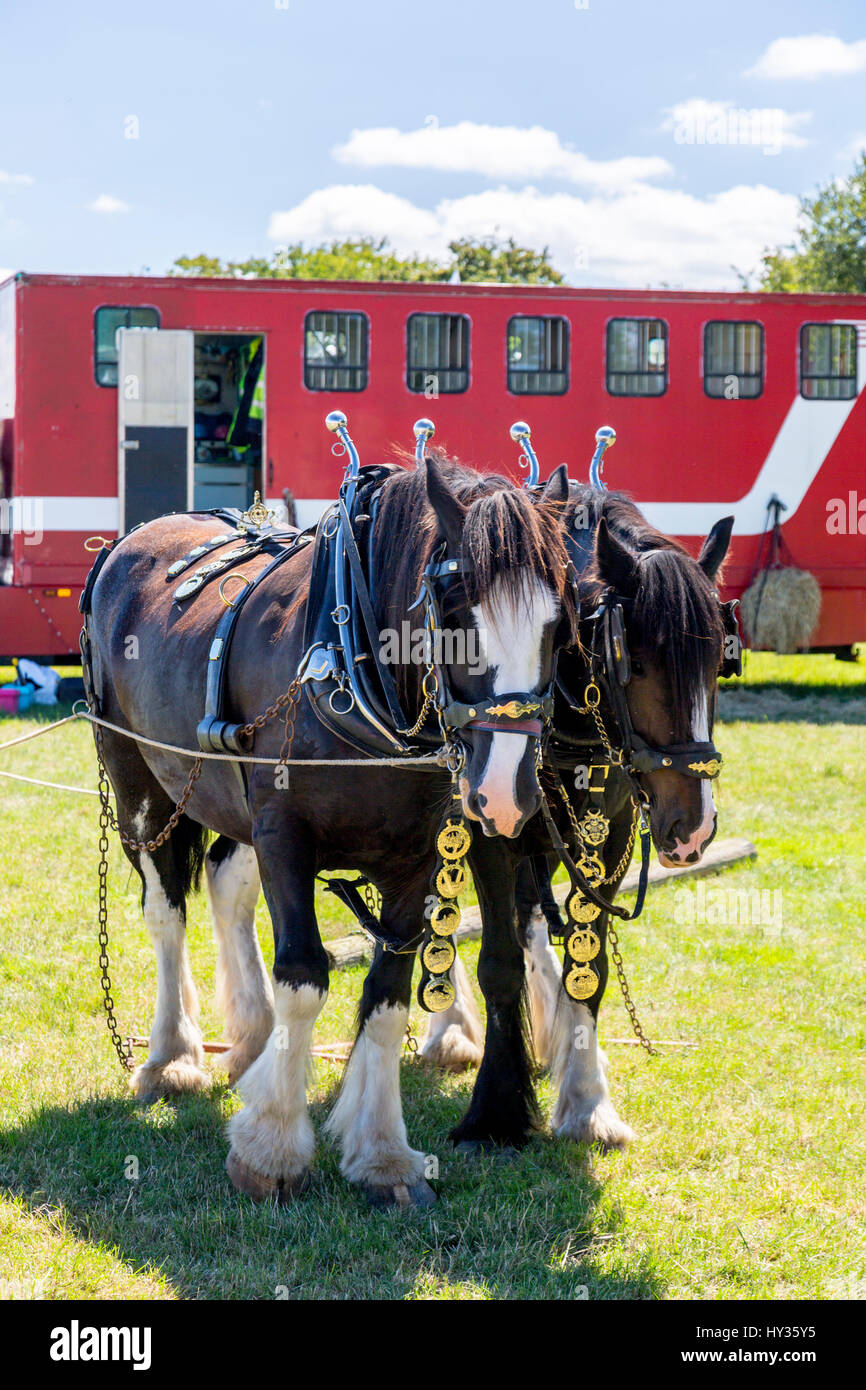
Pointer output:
x,y
189,842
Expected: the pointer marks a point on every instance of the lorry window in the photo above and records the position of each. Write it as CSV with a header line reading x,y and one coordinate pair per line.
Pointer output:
x,y
106,322
733,360
828,361
637,357
335,352
537,355
437,353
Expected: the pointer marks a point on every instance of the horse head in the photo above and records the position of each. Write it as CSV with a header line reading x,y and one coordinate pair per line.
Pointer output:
x,y
673,634
509,589
653,636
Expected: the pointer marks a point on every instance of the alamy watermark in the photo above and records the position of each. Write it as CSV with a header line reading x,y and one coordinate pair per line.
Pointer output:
x,y
728,907
24,516
418,646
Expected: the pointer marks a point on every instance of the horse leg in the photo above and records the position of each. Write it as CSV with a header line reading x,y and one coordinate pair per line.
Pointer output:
x,y
243,985
175,1055
503,1110
272,1140
584,1111
454,1039
543,966
368,1116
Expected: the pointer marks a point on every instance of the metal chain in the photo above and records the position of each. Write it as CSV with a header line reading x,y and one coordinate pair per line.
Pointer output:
x,y
108,820
612,935
410,1040
289,696
616,957
429,697
124,1052
290,701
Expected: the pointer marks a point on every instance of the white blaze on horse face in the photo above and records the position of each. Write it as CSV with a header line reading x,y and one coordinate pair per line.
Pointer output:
x,y
510,634
700,734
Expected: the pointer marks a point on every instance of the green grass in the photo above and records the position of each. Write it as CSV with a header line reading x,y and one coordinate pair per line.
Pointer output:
x,y
745,1180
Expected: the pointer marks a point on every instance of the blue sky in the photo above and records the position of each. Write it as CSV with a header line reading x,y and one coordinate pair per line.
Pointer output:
x,y
646,143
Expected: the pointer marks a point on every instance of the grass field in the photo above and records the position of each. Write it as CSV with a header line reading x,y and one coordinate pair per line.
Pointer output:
x,y
746,1180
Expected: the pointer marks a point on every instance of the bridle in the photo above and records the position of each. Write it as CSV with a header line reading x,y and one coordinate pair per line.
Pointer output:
x,y
516,712
609,676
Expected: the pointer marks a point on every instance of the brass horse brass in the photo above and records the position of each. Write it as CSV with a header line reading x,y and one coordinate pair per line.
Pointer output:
x,y
515,709
581,982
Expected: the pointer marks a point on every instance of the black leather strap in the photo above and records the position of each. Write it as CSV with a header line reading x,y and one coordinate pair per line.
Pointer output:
x,y
215,734
362,595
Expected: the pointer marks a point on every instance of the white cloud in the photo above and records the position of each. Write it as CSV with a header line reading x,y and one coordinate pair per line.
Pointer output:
x,y
813,55
641,236
15,178
106,203
353,210
499,152
767,128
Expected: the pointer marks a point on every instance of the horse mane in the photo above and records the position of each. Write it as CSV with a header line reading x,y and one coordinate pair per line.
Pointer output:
x,y
506,537
675,615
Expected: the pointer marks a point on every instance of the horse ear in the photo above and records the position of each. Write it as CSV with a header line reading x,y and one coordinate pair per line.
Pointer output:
x,y
556,487
616,565
449,510
715,547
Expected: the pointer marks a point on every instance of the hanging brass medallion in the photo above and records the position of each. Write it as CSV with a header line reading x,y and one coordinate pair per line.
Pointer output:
x,y
453,841
592,868
438,994
451,880
581,982
594,827
580,909
445,919
583,946
438,955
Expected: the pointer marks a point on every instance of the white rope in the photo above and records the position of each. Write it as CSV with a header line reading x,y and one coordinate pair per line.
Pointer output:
x,y
424,760
46,729
55,786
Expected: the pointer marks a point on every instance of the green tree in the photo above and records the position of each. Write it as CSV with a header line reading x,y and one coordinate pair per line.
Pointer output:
x,y
830,253
371,259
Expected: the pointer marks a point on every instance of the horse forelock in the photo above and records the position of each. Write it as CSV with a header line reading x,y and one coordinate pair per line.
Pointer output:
x,y
508,539
674,615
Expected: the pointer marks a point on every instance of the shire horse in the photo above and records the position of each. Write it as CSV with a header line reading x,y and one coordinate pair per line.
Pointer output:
x,y
512,587
675,633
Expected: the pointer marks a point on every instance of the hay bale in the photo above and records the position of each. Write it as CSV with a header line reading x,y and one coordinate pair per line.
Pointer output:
x,y
780,609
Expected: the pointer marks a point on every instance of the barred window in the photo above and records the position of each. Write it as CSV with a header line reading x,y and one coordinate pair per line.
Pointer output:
x,y
828,361
437,353
637,357
335,352
537,356
106,322
733,360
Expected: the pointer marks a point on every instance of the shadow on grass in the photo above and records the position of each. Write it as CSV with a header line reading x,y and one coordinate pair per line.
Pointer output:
x,y
532,1228
789,702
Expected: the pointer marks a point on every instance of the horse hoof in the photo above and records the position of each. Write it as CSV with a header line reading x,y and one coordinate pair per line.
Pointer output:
x,y
261,1188
399,1194
486,1148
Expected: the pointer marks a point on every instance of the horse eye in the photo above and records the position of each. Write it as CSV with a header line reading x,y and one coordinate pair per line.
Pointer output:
x,y
637,669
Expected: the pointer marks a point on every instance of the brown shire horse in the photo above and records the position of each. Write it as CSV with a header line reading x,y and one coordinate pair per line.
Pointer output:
x,y
382,820
676,639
